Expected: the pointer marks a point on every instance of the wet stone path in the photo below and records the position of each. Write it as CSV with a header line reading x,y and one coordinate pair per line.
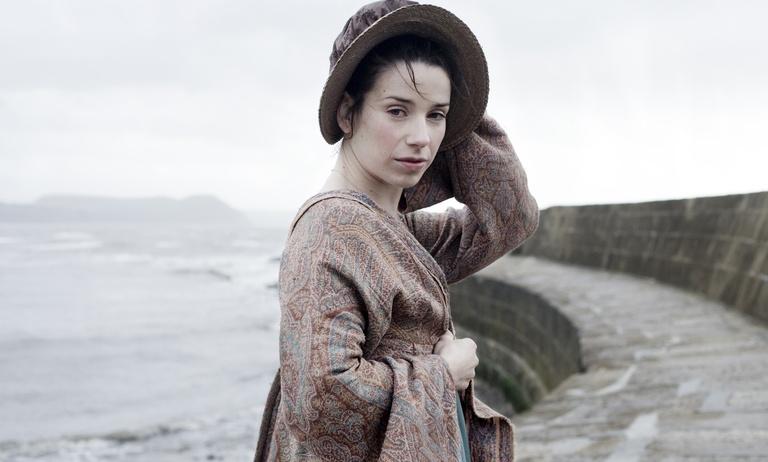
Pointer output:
x,y
671,375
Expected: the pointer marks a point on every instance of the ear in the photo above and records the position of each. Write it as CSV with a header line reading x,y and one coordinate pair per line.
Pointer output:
x,y
343,114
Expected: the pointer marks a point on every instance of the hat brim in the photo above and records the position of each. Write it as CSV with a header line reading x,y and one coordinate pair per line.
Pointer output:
x,y
427,21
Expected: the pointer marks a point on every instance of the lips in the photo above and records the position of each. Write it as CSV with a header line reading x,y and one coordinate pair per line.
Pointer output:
x,y
412,164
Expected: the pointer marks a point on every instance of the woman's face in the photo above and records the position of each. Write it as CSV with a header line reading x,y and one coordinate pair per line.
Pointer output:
x,y
399,130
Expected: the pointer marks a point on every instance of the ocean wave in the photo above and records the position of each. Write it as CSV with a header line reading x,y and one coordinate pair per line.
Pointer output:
x,y
248,243
68,245
72,236
67,450
167,244
68,241
131,257
207,438
117,444
213,272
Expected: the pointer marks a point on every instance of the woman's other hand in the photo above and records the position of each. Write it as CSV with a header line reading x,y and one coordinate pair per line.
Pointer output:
x,y
461,356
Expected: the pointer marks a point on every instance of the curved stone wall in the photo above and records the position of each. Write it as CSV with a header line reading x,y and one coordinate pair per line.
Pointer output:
x,y
714,245
527,347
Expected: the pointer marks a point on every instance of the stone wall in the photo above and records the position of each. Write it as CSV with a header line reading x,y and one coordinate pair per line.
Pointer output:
x,y
717,246
527,347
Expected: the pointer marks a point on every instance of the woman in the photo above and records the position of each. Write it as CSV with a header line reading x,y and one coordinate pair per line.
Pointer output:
x,y
369,366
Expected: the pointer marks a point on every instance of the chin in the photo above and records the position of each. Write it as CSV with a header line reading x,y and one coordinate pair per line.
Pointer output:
x,y
410,182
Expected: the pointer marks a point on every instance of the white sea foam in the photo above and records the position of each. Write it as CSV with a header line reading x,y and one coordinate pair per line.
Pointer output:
x,y
167,244
68,245
247,244
72,236
131,257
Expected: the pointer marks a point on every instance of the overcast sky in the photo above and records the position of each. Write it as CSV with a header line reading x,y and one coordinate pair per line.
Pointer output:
x,y
604,101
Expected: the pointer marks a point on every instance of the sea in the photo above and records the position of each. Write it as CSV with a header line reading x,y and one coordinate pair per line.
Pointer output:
x,y
140,342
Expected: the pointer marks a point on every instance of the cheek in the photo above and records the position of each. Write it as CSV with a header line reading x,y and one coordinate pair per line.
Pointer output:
x,y
386,135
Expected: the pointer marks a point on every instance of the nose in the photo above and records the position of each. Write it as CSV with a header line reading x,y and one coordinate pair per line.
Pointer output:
x,y
419,133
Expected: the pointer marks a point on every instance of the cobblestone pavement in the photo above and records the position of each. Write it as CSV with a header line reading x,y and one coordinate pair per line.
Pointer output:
x,y
671,375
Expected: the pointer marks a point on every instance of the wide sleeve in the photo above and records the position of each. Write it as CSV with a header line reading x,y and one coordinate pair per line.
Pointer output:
x,y
484,173
340,403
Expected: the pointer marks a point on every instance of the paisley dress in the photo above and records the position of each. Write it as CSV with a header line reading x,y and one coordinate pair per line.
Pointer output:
x,y
364,298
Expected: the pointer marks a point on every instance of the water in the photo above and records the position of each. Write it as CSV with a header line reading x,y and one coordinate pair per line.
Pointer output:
x,y
135,342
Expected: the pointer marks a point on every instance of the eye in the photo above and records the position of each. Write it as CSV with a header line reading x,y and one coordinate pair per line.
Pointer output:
x,y
437,116
396,111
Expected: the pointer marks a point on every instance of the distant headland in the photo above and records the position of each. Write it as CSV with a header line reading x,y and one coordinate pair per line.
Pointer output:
x,y
198,209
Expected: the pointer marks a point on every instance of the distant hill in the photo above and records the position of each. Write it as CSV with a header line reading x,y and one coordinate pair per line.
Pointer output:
x,y
202,209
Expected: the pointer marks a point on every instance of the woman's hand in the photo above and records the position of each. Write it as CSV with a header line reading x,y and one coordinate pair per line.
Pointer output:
x,y
461,356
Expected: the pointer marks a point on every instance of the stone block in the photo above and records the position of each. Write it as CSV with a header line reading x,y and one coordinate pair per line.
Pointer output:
x,y
729,202
757,201
611,260
653,266
762,234
675,273
583,239
651,242
719,279
747,225
742,255
763,268
676,222
660,222
675,207
717,250
726,222
638,223
748,294
761,304
707,222
761,255
612,221
699,277
635,264
731,287
694,247
638,243
587,256
668,246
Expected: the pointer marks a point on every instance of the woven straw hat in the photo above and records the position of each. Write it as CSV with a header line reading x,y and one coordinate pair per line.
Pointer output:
x,y
379,21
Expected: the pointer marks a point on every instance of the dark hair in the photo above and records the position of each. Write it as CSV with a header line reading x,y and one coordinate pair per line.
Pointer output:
x,y
408,48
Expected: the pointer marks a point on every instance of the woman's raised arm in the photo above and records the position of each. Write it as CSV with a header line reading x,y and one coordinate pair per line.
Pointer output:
x,y
484,173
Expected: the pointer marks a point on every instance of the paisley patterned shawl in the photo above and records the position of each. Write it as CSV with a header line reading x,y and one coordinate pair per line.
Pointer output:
x,y
364,298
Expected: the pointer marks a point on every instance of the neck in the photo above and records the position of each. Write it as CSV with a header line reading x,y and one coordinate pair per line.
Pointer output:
x,y
349,175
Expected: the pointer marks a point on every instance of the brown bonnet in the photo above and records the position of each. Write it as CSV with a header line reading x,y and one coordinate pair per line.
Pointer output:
x,y
379,21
